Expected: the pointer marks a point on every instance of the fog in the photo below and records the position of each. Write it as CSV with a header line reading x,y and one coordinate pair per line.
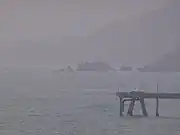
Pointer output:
x,y
61,33
42,33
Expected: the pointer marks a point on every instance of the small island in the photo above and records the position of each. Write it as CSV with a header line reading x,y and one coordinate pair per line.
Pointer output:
x,y
126,68
94,66
68,69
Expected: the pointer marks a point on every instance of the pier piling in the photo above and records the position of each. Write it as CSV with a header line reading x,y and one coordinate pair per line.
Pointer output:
x,y
157,102
143,106
131,107
121,107
157,106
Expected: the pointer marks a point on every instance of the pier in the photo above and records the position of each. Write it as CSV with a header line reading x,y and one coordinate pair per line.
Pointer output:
x,y
140,96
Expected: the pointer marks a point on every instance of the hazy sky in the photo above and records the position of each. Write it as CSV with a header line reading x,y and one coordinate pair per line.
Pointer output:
x,y
32,24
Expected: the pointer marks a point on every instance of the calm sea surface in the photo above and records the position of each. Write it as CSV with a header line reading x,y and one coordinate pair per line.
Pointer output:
x,y
40,102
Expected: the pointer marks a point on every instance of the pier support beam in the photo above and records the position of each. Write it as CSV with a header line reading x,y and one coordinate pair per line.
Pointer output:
x,y
143,106
121,107
157,106
157,102
131,107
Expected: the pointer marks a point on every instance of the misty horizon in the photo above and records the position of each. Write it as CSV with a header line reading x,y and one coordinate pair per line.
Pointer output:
x,y
51,34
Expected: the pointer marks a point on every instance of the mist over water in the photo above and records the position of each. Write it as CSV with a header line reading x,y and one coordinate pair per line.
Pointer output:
x,y
47,34
83,103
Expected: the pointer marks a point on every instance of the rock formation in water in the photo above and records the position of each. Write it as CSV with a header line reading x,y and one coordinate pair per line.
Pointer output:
x,y
126,68
94,66
68,69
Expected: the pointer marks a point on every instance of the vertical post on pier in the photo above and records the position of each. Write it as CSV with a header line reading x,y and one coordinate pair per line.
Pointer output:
x,y
143,107
157,103
121,106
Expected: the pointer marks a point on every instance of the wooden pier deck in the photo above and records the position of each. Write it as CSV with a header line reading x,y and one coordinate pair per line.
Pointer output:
x,y
141,96
148,95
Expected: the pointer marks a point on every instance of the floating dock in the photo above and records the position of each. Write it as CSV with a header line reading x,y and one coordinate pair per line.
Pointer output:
x,y
140,96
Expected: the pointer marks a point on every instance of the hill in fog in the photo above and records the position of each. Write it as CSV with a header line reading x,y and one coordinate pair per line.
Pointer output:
x,y
168,63
142,39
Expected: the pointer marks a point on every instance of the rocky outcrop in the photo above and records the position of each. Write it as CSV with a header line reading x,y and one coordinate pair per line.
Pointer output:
x,y
94,66
68,69
126,68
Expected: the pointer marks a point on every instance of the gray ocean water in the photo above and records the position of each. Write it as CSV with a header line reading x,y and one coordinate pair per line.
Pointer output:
x,y
39,102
